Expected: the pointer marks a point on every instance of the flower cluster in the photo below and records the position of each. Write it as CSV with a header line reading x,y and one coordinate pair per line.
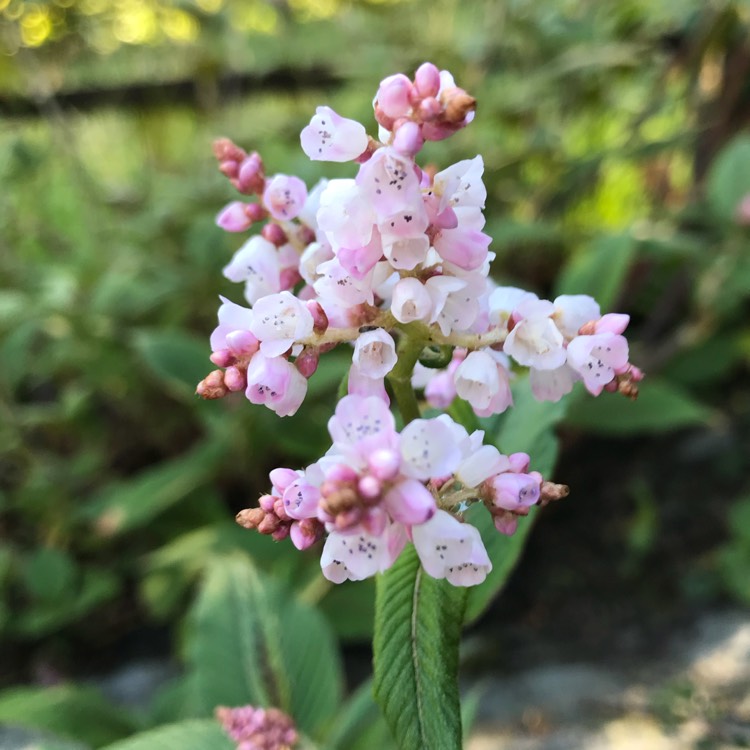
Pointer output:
x,y
394,262
377,489
258,728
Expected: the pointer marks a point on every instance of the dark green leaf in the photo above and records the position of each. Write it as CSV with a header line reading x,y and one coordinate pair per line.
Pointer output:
x,y
660,407
360,725
417,631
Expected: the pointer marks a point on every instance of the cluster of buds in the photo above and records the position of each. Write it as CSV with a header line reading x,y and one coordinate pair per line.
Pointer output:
x,y
258,728
392,260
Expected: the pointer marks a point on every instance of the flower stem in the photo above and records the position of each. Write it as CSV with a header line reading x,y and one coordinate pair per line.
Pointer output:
x,y
399,378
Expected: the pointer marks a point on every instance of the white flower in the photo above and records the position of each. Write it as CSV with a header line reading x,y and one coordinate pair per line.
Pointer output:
x,y
279,321
375,353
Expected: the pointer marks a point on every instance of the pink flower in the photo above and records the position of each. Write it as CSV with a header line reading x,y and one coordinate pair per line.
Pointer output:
x,y
514,492
535,340
345,216
258,264
284,197
450,549
233,332
394,95
410,502
572,311
389,182
276,383
428,449
482,382
359,555
234,218
330,137
280,320
597,358
375,353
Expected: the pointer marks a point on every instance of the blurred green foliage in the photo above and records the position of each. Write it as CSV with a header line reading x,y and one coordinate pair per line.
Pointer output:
x,y
615,165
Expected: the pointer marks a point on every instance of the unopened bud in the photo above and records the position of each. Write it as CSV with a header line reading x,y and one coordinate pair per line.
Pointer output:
x,y
235,379
212,386
274,234
281,533
320,319
307,362
457,104
269,524
225,150
222,358
427,80
249,518
550,492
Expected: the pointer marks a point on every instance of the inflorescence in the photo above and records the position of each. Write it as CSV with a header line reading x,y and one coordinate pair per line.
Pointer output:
x,y
395,263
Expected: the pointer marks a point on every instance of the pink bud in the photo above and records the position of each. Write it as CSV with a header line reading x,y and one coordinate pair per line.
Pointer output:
x,y
427,80
255,211
506,523
369,488
280,510
274,234
266,502
222,358
307,362
281,478
250,179
612,323
374,521
519,462
288,279
234,218
408,139
384,464
429,109
234,379
340,474
382,118
394,94
320,319
281,533
225,150
305,533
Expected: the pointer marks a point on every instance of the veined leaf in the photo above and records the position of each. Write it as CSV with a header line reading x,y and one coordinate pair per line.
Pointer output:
x,y
417,630
251,641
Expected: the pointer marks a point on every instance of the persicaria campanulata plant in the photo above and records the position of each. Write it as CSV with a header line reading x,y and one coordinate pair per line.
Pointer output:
x,y
395,263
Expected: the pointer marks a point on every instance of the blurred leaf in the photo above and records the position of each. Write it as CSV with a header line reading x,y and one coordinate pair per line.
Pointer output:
x,y
125,505
660,407
178,358
187,735
529,428
739,521
250,641
705,362
66,710
728,180
96,587
359,724
350,609
415,654
599,270
49,574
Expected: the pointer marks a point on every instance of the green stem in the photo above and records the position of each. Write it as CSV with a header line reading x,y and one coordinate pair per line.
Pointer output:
x,y
399,378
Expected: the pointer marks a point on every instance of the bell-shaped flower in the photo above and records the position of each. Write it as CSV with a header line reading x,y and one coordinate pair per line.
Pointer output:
x,y
234,218
359,384
276,383
359,555
358,417
450,549
481,464
345,216
233,332
477,379
552,385
410,301
312,257
461,184
284,197
598,358
375,353
429,449
572,311
535,340
301,499
359,261
515,492
388,181
330,137
503,301
337,285
280,320
463,247
257,262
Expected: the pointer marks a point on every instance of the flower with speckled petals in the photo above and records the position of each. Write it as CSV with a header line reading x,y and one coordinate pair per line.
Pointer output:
x,y
330,137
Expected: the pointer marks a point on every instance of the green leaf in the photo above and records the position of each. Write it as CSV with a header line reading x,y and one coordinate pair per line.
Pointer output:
x,y
528,427
350,608
729,178
49,574
251,641
68,711
599,270
417,631
126,505
180,360
186,735
660,407
359,724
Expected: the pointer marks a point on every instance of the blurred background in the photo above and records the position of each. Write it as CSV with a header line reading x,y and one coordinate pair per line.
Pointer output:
x,y
614,134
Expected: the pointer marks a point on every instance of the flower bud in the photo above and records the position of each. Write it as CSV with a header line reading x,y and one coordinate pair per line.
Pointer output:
x,y
212,386
427,80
